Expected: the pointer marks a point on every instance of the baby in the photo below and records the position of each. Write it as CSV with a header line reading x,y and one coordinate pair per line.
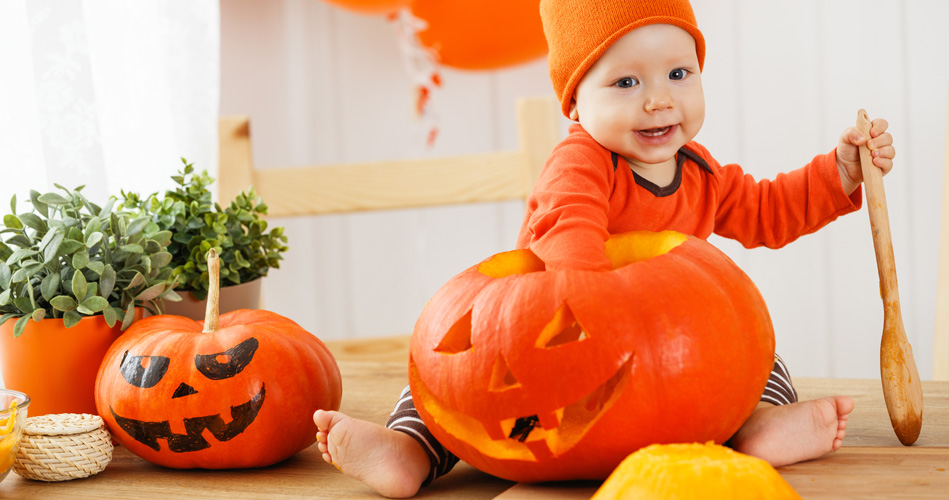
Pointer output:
x,y
629,72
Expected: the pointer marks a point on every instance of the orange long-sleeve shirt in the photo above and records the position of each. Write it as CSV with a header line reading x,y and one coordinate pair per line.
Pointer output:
x,y
585,193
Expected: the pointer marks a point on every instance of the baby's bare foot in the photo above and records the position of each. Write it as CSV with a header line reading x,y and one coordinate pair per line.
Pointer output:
x,y
788,434
388,461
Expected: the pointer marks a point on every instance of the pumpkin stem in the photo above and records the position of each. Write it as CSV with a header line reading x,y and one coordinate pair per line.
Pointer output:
x,y
212,313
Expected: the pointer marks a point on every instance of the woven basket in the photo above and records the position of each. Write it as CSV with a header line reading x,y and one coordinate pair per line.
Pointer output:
x,y
63,447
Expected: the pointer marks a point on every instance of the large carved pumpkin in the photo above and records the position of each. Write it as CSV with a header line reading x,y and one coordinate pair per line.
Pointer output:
x,y
231,392
535,375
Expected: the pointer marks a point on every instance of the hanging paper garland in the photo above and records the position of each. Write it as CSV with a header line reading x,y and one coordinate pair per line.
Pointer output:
x,y
371,6
422,66
482,34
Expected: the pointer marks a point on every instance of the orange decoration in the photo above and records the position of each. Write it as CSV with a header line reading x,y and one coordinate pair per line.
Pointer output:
x,y
235,391
536,375
482,34
371,6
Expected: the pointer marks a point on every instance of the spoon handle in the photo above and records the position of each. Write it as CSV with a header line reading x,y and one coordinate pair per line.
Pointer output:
x,y
879,220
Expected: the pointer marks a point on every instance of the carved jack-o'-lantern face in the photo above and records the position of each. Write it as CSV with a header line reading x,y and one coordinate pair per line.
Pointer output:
x,y
242,396
537,375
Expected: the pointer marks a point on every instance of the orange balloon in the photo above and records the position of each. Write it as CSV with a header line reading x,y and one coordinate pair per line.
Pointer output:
x,y
481,34
371,6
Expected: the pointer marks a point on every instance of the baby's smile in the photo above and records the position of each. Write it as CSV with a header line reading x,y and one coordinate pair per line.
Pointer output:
x,y
657,135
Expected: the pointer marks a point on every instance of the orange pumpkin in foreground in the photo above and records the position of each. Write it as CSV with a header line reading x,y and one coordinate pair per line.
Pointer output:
x,y
535,375
240,393
694,472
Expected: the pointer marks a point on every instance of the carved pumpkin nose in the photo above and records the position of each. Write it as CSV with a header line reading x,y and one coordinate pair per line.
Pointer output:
x,y
183,390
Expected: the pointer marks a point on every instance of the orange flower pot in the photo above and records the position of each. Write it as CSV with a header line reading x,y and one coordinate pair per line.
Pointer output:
x,y
57,366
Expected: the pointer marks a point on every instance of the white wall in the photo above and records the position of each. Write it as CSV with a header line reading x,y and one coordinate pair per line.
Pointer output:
x,y
783,79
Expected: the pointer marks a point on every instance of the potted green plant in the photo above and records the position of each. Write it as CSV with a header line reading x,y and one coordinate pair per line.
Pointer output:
x,y
73,275
237,232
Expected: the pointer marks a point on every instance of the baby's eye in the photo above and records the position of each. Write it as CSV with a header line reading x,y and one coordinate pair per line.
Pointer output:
x,y
625,83
678,74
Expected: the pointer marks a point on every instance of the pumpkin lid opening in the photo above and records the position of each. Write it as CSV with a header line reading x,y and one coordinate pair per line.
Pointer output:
x,y
512,262
637,246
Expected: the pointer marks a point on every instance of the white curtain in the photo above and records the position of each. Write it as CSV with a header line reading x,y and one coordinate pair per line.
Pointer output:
x,y
106,93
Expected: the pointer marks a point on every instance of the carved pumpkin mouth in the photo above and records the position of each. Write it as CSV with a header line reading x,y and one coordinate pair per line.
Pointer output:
x,y
148,433
530,437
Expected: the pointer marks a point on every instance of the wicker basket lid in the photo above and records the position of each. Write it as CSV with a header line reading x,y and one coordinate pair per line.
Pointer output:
x,y
62,424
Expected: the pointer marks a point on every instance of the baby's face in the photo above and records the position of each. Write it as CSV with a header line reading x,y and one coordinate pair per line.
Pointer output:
x,y
643,97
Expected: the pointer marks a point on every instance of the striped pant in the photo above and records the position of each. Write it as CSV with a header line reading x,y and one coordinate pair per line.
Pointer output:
x,y
405,418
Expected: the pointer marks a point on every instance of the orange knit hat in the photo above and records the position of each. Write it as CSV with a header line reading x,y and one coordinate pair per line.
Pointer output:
x,y
579,31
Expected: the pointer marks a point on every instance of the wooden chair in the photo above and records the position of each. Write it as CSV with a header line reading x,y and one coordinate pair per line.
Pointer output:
x,y
941,334
326,189
354,187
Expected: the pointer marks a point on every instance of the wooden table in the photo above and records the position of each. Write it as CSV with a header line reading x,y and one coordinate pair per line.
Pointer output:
x,y
872,463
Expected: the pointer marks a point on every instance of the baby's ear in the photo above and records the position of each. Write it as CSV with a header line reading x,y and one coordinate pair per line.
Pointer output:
x,y
574,115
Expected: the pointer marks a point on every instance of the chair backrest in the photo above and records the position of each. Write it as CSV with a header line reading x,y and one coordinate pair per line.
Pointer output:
x,y
354,187
941,334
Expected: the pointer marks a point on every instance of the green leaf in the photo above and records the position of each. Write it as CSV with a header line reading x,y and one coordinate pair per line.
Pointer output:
x,y
20,254
137,280
162,237
132,248
20,326
33,221
51,248
152,246
160,260
69,246
53,199
38,315
4,298
20,241
96,266
5,275
110,316
40,207
151,292
92,239
23,304
106,281
137,225
49,286
13,205
25,273
71,318
92,305
80,259
12,222
93,226
79,286
129,316
63,303
106,210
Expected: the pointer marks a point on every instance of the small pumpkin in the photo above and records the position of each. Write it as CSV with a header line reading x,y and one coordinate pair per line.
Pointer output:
x,y
537,375
235,391
694,472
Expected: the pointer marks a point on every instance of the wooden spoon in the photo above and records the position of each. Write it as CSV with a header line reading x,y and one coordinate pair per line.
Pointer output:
x,y
902,389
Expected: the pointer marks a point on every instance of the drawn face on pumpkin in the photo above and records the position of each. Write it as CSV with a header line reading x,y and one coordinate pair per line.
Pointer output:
x,y
147,371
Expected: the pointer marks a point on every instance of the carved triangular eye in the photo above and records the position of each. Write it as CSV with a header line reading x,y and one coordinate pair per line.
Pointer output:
x,y
563,328
458,337
502,378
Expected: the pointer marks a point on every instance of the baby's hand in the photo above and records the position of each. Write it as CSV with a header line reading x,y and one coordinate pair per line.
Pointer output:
x,y
848,153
